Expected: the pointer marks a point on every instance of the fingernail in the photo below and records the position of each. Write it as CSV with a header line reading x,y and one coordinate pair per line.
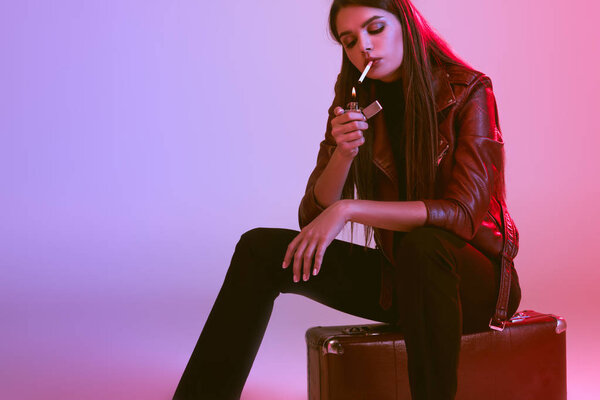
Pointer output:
x,y
296,279
305,277
283,265
315,272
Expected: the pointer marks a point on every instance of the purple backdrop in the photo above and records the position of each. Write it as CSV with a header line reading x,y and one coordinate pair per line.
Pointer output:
x,y
140,139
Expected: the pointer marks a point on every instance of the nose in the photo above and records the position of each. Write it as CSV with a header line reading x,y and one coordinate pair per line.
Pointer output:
x,y
365,44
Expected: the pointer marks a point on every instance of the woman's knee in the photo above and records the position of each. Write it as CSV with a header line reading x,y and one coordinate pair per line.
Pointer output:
x,y
265,241
252,238
260,252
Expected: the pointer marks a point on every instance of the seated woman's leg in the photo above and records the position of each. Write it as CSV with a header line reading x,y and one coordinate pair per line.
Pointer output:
x,y
445,286
221,361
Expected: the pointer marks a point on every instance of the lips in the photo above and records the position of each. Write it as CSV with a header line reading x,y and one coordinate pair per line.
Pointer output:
x,y
374,59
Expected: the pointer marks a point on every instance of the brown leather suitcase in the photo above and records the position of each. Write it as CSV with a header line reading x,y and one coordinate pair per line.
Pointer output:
x,y
525,361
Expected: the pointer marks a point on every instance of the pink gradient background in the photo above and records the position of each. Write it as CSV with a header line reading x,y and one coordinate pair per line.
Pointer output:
x,y
140,139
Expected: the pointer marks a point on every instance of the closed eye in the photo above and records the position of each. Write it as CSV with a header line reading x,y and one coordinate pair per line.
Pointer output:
x,y
378,29
350,44
373,30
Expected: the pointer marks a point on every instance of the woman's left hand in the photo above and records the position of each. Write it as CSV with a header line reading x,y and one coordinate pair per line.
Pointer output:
x,y
314,239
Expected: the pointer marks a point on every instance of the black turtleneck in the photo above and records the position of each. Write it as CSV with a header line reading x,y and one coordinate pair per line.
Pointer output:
x,y
391,97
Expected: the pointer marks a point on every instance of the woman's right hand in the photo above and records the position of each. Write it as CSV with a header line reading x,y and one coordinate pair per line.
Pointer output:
x,y
347,130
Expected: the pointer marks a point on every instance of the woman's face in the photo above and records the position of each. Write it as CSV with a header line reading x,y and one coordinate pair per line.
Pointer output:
x,y
369,33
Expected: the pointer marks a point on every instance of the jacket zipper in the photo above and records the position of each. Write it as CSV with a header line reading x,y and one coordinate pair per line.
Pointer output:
x,y
380,246
442,154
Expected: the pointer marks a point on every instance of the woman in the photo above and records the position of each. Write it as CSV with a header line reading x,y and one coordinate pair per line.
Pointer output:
x,y
428,172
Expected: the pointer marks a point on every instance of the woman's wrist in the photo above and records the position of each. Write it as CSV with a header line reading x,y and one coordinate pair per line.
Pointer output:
x,y
345,208
341,158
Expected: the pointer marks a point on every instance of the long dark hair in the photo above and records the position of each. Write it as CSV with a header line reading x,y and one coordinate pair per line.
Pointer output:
x,y
423,50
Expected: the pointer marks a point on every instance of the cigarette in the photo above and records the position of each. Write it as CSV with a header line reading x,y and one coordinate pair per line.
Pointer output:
x,y
365,72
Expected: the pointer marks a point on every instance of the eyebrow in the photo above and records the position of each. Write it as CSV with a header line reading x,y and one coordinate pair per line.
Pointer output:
x,y
367,22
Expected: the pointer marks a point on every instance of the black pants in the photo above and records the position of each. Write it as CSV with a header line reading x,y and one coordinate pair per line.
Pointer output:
x,y
444,287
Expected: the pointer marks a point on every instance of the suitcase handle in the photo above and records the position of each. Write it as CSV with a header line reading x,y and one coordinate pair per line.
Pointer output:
x,y
355,330
333,346
376,329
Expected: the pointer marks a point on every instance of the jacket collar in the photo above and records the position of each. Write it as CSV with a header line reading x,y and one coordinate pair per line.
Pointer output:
x,y
442,91
383,156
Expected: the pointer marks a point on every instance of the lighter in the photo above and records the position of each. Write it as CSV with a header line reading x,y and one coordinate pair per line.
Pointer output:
x,y
368,111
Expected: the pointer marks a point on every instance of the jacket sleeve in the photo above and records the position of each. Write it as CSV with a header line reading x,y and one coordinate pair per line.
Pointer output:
x,y
477,167
309,207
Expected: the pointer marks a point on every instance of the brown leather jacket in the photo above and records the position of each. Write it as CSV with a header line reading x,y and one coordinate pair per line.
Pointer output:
x,y
469,198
